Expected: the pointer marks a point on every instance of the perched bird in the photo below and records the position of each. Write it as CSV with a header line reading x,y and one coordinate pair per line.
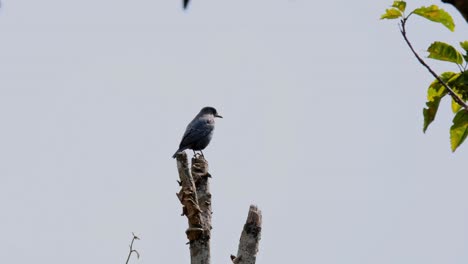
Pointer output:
x,y
199,132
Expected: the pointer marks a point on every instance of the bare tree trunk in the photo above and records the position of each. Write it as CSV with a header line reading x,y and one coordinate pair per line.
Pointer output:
x,y
195,197
198,232
250,238
200,176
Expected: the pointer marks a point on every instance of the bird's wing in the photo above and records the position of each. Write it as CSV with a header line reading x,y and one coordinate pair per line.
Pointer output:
x,y
195,131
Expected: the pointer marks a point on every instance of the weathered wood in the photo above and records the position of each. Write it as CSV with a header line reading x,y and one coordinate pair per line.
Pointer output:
x,y
200,175
196,200
195,197
250,238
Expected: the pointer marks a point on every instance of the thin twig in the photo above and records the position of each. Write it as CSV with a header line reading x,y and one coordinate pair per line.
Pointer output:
x,y
455,97
131,248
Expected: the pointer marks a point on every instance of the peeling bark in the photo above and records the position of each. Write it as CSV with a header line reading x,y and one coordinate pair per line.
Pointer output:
x,y
195,198
250,238
196,205
200,176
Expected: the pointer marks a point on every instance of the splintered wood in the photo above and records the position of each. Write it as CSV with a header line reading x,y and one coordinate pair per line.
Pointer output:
x,y
250,238
195,198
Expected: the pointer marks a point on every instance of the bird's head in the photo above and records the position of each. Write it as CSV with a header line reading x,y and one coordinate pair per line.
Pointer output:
x,y
208,110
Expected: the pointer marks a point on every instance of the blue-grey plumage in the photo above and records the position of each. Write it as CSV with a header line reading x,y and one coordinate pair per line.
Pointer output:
x,y
199,132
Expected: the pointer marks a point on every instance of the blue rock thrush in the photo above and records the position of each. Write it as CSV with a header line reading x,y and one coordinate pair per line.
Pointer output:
x,y
199,132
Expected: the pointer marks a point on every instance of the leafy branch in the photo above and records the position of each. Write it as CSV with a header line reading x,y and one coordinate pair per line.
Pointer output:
x,y
451,83
133,250
455,97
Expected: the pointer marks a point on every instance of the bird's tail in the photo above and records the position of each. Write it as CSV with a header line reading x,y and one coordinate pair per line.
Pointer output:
x,y
175,154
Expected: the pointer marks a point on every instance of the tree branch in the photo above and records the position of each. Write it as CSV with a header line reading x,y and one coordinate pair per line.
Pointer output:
x,y
455,97
131,248
250,238
196,200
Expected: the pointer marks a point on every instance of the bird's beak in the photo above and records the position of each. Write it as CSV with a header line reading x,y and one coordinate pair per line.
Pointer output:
x,y
218,116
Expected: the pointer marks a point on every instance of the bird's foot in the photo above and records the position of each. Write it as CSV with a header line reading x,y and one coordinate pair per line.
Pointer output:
x,y
198,155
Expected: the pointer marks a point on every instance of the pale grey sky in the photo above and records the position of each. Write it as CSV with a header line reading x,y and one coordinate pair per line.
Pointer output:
x,y
322,128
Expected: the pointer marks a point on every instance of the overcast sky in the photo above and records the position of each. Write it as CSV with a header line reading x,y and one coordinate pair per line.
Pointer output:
x,y
322,129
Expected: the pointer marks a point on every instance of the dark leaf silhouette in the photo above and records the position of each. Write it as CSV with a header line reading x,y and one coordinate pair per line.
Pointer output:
x,y
461,5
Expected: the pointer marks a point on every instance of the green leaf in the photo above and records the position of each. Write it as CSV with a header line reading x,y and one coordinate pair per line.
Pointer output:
x,y
464,45
455,106
453,80
444,52
391,13
434,13
401,5
459,129
434,89
459,83
430,112
462,78
435,93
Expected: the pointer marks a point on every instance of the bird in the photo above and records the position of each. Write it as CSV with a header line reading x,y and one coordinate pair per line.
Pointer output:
x,y
186,3
199,131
